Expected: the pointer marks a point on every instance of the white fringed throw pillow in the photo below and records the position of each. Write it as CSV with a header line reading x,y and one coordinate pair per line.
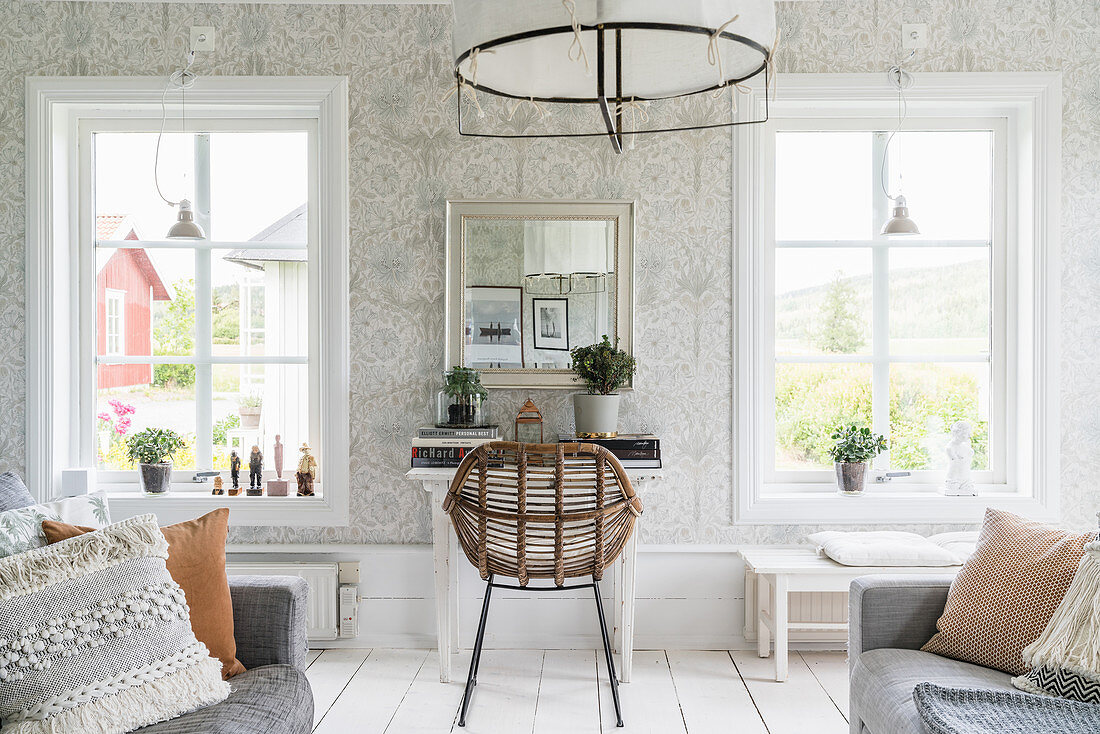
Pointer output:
x,y
1065,660
95,636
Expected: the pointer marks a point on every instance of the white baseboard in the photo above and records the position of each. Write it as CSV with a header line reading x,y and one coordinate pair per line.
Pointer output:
x,y
687,599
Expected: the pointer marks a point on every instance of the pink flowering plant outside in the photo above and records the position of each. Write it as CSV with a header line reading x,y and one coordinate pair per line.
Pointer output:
x,y
113,426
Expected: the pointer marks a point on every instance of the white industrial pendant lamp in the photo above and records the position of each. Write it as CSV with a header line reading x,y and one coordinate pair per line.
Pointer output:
x,y
899,224
613,54
185,227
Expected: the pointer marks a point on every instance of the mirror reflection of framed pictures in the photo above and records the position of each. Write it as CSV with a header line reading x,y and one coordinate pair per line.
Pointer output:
x,y
494,326
551,326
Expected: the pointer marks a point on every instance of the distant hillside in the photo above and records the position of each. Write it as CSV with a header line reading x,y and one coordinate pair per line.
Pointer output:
x,y
958,305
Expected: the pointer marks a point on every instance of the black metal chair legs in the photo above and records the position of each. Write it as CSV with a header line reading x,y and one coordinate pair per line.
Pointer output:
x,y
607,652
475,661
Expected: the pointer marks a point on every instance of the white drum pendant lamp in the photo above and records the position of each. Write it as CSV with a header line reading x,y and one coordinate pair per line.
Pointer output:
x,y
609,53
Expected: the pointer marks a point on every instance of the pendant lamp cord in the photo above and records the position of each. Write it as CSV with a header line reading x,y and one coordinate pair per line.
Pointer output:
x,y
902,80
181,79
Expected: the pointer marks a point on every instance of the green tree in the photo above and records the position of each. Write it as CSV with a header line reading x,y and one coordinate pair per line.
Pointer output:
x,y
174,334
839,330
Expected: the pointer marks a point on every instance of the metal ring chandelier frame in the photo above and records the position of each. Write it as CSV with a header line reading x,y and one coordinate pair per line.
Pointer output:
x,y
611,106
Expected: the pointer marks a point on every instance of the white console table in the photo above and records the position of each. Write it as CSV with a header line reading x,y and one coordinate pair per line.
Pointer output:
x,y
447,556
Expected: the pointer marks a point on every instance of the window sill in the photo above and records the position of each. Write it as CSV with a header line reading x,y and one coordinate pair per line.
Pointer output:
x,y
176,507
882,505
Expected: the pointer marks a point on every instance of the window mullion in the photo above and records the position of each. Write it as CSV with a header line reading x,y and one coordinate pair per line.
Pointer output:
x,y
204,383
880,301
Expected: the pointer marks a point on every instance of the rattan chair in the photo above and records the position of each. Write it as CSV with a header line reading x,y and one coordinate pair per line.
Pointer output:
x,y
541,511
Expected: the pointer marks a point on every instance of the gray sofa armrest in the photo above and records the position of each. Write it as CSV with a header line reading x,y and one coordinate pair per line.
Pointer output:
x,y
894,611
269,620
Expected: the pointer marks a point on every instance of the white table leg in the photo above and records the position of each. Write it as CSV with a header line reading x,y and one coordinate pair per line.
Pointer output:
x,y
781,620
629,574
763,608
444,588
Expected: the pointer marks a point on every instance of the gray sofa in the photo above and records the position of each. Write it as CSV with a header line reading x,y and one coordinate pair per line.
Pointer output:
x,y
890,618
273,695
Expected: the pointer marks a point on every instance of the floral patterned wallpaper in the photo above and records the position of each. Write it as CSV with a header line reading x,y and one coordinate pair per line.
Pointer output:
x,y
407,159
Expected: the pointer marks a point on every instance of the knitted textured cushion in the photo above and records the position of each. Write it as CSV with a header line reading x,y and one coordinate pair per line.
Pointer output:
x,y
13,493
1007,591
21,530
1065,660
196,560
95,636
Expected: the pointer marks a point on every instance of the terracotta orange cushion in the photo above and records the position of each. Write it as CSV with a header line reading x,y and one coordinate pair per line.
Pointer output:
x,y
196,561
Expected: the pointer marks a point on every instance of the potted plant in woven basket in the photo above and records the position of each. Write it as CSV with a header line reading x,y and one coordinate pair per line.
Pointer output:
x,y
604,368
153,450
854,447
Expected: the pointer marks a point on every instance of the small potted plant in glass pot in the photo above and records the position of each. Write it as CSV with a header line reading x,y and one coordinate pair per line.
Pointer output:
x,y
604,368
463,402
153,450
854,447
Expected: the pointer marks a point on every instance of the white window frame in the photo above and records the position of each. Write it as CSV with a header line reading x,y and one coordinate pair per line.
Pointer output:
x,y
1024,426
119,297
60,114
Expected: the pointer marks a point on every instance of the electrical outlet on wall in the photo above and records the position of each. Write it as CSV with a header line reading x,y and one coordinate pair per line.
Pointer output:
x,y
202,38
914,35
349,572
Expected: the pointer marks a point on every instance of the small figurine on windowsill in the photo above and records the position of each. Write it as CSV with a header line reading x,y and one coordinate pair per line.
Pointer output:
x,y
235,473
960,456
278,487
218,489
255,469
307,472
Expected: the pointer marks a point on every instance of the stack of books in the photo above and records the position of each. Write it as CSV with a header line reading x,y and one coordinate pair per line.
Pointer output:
x,y
633,450
436,447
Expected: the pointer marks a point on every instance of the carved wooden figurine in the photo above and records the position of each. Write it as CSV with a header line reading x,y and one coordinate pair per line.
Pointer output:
x,y
255,469
218,486
235,473
307,472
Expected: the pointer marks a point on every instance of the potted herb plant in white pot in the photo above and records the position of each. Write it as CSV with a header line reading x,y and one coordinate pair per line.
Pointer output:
x,y
854,446
153,450
249,411
604,368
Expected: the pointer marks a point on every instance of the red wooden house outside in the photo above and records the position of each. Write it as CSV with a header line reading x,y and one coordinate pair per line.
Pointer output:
x,y
126,286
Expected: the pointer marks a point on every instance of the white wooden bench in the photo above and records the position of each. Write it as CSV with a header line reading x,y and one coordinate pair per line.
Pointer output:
x,y
780,571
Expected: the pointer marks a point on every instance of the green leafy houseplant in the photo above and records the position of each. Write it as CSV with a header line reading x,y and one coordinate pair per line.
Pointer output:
x,y
153,446
856,445
466,394
603,367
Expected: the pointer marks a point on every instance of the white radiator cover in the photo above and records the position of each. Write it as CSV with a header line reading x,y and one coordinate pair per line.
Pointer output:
x,y
322,609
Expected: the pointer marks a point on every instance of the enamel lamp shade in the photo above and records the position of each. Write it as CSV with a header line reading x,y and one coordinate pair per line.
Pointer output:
x,y
899,224
186,228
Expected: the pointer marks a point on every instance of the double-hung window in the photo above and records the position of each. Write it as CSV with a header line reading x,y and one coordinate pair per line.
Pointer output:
x,y
229,340
911,335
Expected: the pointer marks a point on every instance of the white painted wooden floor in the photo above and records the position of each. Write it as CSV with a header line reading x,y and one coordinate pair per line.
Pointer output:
x,y
548,691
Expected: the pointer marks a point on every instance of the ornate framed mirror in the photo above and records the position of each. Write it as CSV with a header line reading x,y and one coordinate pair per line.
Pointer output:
x,y
527,281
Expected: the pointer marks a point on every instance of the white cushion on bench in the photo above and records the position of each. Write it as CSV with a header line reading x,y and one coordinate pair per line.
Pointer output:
x,y
882,548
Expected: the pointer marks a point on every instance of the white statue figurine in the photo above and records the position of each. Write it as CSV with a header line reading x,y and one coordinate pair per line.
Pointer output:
x,y
960,456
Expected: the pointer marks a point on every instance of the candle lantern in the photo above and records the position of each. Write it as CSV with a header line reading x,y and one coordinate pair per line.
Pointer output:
x,y
529,424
